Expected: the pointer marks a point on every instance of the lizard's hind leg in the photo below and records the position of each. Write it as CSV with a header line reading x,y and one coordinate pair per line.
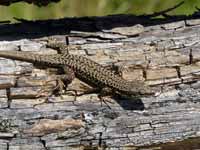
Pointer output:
x,y
61,48
61,83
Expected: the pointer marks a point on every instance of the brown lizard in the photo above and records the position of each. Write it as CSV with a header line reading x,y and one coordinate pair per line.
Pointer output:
x,y
84,69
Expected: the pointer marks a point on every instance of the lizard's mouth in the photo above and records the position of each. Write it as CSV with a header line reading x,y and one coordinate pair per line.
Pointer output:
x,y
140,93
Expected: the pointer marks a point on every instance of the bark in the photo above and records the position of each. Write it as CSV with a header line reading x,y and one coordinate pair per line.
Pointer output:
x,y
164,53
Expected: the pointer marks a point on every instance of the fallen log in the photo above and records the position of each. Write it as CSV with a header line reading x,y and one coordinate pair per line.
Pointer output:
x,y
164,53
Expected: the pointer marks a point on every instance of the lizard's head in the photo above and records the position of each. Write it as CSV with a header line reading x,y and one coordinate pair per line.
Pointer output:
x,y
137,88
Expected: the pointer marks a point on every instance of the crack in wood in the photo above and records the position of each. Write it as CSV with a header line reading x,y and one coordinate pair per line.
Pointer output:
x,y
190,57
9,97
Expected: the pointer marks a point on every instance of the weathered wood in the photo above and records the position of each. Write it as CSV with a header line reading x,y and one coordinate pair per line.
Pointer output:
x,y
165,56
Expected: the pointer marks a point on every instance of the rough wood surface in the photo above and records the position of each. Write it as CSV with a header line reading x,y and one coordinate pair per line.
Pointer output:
x,y
163,53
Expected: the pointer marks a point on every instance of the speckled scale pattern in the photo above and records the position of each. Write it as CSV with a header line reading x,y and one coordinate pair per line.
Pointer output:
x,y
84,68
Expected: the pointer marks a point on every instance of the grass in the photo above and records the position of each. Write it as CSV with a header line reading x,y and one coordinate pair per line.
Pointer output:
x,y
71,8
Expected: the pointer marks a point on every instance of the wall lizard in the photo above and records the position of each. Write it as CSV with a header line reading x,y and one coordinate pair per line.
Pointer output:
x,y
84,69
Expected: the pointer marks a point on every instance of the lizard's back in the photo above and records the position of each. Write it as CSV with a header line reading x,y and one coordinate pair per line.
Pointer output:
x,y
84,68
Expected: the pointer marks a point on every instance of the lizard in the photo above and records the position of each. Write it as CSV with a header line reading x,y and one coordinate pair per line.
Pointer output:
x,y
84,69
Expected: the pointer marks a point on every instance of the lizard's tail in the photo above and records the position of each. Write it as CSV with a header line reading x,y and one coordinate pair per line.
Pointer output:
x,y
30,57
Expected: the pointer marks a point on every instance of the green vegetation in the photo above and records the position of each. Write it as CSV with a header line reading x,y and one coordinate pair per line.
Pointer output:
x,y
70,8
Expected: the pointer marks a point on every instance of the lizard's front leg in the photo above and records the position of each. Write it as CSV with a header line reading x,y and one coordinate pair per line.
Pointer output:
x,y
106,91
